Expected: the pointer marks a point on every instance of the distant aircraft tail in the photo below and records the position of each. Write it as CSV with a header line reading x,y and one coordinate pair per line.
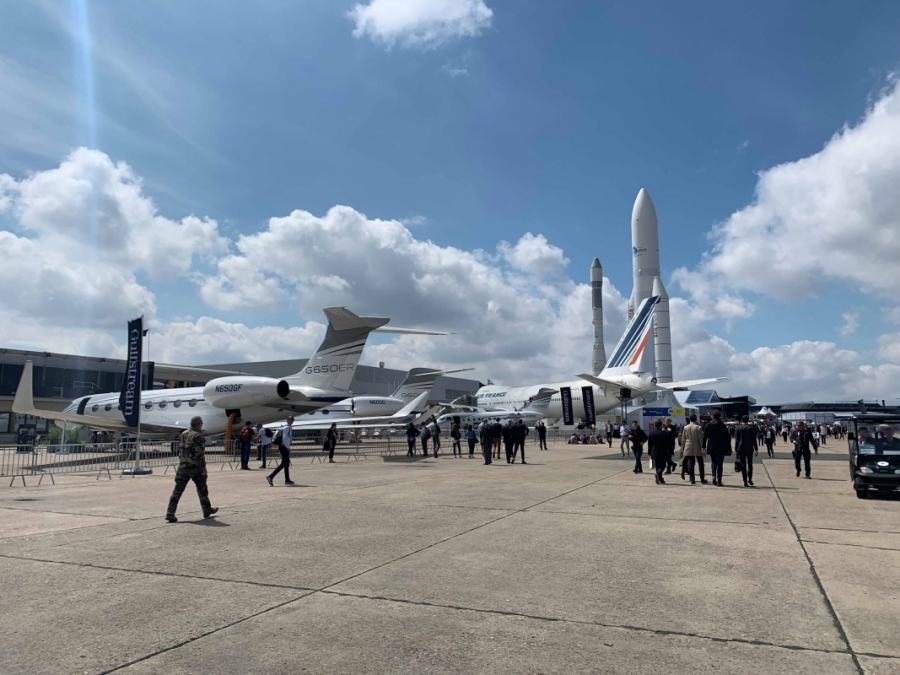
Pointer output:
x,y
541,401
634,352
419,380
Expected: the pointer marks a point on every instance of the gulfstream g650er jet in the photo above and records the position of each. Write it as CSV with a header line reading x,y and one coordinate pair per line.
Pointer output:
x,y
324,380
631,368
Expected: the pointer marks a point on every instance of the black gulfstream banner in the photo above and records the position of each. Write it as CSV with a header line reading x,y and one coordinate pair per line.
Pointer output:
x,y
130,398
565,395
587,397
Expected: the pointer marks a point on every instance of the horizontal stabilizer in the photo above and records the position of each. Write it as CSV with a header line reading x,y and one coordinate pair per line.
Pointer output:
x,y
341,318
408,331
599,381
353,422
684,384
438,373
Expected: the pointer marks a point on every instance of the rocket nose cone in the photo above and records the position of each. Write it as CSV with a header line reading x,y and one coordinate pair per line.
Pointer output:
x,y
596,263
643,207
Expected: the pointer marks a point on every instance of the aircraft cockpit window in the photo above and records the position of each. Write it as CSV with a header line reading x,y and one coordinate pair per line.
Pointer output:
x,y
177,404
192,402
162,405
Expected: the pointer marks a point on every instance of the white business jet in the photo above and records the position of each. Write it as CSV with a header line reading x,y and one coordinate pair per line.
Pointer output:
x,y
165,413
362,408
532,413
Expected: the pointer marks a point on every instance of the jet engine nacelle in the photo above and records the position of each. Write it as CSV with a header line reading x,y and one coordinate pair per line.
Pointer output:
x,y
244,392
374,406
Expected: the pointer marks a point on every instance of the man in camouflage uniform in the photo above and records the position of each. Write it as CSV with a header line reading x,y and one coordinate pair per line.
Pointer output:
x,y
191,467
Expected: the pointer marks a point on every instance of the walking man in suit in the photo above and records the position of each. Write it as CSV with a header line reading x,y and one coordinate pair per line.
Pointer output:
x,y
747,446
662,445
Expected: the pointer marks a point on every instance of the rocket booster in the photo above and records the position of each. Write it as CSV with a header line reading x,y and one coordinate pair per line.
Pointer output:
x,y
598,356
644,247
662,332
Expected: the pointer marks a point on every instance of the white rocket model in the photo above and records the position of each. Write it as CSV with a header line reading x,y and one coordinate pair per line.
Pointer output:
x,y
644,247
645,268
663,334
598,356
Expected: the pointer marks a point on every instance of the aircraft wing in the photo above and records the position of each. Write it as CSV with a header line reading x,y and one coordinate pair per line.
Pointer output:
x,y
351,422
23,404
684,384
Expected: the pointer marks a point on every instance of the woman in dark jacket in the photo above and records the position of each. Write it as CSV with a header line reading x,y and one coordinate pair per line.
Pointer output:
x,y
718,445
332,441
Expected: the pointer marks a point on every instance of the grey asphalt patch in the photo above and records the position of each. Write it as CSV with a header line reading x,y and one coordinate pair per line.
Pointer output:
x,y
331,634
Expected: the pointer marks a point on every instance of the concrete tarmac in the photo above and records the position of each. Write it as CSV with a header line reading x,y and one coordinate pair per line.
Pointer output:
x,y
570,564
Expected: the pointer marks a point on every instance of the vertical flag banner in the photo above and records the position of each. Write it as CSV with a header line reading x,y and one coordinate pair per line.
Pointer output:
x,y
565,395
587,397
130,398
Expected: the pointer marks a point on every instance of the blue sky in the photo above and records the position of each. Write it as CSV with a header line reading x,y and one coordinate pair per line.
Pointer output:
x,y
544,118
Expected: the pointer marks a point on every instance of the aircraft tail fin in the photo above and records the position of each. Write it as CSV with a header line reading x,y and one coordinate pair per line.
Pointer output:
x,y
419,380
634,352
334,363
541,401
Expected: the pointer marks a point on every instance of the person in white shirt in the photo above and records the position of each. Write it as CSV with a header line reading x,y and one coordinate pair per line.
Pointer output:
x,y
625,442
283,439
265,442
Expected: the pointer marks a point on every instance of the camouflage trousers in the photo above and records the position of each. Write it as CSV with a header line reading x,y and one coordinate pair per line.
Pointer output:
x,y
184,476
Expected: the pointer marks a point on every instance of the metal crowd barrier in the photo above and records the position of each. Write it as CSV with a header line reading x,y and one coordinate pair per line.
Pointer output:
x,y
104,459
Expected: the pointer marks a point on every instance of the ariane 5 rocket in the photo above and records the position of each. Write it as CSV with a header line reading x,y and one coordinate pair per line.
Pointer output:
x,y
647,280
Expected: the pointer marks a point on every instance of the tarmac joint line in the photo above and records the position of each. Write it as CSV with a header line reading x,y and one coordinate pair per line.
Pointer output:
x,y
815,574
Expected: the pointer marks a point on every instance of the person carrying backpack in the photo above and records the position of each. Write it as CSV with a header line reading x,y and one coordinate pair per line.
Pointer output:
x,y
265,442
471,438
283,441
245,439
435,436
455,436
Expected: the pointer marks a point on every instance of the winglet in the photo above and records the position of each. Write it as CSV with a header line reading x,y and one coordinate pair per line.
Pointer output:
x,y
23,403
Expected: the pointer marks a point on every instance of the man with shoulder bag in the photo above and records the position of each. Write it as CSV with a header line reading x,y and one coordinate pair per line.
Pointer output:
x,y
802,439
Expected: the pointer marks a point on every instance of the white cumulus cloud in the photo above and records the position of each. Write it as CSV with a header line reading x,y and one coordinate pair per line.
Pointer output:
x,y
833,216
81,232
514,311
420,23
